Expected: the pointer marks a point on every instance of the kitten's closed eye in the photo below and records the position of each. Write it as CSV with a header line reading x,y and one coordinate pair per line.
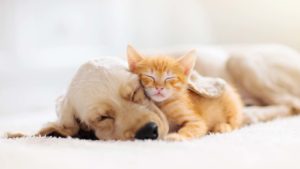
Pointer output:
x,y
149,77
170,78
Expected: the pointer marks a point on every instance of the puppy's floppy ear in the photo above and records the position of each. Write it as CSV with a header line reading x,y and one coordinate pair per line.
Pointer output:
x,y
133,57
188,62
206,86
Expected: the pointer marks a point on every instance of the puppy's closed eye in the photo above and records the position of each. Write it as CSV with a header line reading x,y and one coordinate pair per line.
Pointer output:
x,y
104,117
107,115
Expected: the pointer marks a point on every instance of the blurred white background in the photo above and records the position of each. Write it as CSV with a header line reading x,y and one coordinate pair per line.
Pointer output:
x,y
42,42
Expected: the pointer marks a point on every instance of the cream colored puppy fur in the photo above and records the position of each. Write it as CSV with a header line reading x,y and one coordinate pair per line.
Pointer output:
x,y
104,97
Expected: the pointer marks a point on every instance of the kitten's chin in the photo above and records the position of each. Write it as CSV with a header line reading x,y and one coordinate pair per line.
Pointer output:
x,y
158,98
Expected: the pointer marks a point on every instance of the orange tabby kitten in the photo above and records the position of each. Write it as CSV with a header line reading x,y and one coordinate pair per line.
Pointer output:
x,y
165,81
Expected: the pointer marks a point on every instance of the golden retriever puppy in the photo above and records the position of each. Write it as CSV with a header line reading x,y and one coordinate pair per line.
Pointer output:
x,y
105,98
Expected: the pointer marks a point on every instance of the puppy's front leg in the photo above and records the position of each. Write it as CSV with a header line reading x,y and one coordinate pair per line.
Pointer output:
x,y
64,127
51,129
58,130
14,135
66,124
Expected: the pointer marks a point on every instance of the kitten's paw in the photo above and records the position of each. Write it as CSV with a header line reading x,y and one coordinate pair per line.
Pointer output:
x,y
174,137
222,128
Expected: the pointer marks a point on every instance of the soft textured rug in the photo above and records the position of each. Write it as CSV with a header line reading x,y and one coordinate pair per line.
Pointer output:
x,y
272,145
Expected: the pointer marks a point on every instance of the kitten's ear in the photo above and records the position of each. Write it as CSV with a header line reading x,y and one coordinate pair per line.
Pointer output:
x,y
133,57
188,61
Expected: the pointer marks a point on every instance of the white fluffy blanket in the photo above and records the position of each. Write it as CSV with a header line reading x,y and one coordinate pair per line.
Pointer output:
x,y
267,145
271,145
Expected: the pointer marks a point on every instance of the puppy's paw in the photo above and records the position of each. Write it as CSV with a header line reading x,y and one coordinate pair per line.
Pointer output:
x,y
126,92
14,135
175,137
138,95
133,91
46,131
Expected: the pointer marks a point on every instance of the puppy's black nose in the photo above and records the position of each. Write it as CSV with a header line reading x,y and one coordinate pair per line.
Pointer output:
x,y
148,131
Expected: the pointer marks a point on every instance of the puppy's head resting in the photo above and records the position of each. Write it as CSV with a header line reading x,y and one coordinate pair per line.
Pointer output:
x,y
108,99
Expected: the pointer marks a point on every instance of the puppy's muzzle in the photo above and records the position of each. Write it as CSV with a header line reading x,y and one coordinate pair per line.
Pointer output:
x,y
148,131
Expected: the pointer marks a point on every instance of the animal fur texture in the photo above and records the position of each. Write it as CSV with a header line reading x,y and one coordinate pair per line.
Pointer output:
x,y
166,81
266,76
107,99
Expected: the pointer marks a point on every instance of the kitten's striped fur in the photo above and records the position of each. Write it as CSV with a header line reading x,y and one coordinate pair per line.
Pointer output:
x,y
165,81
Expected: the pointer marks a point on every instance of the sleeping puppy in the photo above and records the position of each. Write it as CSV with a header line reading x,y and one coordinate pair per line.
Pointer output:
x,y
107,100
